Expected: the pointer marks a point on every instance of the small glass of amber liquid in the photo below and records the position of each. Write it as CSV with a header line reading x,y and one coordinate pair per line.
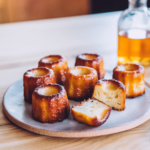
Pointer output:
x,y
134,34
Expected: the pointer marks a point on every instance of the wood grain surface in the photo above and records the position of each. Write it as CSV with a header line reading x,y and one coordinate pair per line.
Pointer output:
x,y
23,44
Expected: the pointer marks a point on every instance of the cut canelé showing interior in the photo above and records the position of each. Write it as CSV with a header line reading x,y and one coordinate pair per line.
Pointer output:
x,y
132,76
50,103
58,64
91,112
92,60
110,92
34,78
80,82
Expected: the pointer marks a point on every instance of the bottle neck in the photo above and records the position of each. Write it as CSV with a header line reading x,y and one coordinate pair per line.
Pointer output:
x,y
137,4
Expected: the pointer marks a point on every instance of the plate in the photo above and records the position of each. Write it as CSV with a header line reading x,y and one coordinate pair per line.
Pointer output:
x,y
137,111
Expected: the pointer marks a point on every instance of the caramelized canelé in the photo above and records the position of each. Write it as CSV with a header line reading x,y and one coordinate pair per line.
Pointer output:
x,y
58,64
92,60
132,76
34,78
91,112
110,92
80,82
50,103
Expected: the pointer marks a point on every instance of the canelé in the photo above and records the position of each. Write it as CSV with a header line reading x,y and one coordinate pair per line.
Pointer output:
x,y
132,76
92,60
80,82
50,103
58,64
110,92
34,78
91,112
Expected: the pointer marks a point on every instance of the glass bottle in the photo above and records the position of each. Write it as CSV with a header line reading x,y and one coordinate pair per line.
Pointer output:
x,y
134,34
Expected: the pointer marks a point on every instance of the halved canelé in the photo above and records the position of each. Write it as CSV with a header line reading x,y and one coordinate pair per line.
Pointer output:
x,y
132,76
91,112
50,103
110,92
34,78
92,60
58,64
80,82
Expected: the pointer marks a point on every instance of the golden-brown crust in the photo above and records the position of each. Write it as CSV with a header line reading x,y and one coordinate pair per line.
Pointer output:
x,y
89,120
133,80
31,82
59,67
140,94
123,108
80,87
97,63
117,83
50,108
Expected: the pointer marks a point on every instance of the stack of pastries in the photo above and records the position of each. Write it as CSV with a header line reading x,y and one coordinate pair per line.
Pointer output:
x,y
49,86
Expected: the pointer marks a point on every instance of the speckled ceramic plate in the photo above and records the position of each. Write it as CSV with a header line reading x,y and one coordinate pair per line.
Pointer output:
x,y
137,111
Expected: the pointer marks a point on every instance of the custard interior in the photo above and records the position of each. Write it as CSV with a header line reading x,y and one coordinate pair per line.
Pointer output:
x,y
110,94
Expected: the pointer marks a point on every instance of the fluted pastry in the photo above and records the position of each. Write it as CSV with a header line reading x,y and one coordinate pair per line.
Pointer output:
x,y
34,78
80,82
58,64
50,103
110,92
132,76
92,60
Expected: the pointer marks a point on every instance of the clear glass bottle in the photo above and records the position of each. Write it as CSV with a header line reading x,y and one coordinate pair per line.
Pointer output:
x,y
134,34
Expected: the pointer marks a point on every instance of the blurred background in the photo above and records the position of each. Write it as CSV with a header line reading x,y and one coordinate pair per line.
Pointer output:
x,y
25,10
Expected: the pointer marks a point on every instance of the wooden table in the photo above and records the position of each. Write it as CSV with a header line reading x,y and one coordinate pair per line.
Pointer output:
x,y
23,44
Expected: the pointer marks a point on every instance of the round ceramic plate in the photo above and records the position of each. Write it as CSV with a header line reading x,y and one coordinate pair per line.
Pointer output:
x,y
137,111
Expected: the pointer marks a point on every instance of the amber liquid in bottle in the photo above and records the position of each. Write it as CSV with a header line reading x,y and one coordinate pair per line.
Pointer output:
x,y
134,46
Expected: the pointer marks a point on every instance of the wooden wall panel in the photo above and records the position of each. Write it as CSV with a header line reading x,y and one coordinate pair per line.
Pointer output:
x,y
22,10
1,20
2,4
3,11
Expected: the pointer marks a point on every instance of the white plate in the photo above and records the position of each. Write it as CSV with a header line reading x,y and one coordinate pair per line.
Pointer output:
x,y
137,111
